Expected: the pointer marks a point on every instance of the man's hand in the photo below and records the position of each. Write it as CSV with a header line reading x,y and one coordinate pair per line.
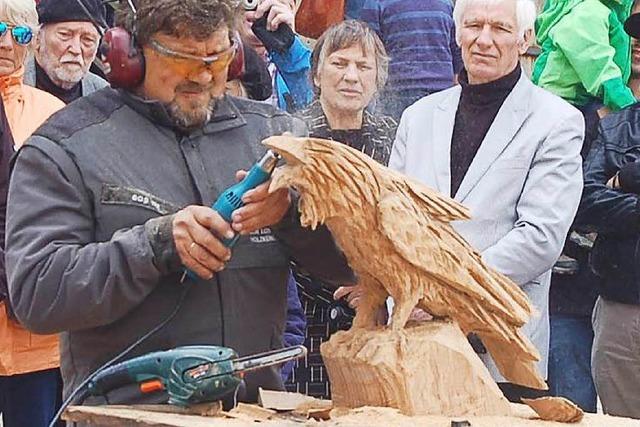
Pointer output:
x,y
614,182
261,208
353,294
627,179
603,112
197,231
279,12
419,315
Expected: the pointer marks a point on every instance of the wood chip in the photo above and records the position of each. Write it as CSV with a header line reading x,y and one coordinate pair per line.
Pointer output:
x,y
250,412
285,401
556,409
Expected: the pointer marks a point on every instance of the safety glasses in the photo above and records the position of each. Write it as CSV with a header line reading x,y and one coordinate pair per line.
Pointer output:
x,y
21,33
187,65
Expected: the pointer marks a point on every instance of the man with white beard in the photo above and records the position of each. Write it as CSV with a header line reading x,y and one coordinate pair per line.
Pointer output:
x,y
65,47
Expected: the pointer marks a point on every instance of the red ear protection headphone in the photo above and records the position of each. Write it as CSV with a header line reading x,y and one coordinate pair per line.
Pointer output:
x,y
125,63
124,60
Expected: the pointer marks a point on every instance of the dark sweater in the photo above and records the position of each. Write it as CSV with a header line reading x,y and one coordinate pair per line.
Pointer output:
x,y
43,82
478,107
6,151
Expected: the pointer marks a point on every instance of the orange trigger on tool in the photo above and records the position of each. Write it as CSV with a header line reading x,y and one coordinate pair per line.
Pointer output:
x,y
151,386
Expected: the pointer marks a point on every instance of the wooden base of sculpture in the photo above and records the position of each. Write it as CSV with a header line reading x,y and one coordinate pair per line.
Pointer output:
x,y
428,368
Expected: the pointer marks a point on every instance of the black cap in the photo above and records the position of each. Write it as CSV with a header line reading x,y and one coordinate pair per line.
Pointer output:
x,y
50,11
632,25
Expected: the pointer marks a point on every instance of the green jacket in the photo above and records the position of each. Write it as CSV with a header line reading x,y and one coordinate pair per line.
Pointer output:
x,y
585,51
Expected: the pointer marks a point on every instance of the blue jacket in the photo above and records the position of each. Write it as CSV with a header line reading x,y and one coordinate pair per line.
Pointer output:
x,y
296,325
293,83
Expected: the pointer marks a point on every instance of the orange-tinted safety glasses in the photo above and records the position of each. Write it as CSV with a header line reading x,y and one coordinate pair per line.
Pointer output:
x,y
187,65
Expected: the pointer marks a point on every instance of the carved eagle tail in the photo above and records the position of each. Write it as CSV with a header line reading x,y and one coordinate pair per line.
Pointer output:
x,y
512,351
514,362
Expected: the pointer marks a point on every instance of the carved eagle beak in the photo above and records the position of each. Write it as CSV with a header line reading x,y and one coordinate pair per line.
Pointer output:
x,y
289,147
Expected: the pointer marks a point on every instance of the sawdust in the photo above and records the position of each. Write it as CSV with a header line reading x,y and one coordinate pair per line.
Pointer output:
x,y
523,417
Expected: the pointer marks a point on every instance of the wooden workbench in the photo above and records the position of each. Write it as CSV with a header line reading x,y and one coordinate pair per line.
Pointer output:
x,y
130,416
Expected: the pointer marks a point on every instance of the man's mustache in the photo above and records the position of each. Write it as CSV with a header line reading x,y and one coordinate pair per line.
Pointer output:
x,y
192,87
76,59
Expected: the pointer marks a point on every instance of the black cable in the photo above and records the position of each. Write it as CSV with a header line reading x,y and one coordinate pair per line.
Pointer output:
x,y
221,308
82,387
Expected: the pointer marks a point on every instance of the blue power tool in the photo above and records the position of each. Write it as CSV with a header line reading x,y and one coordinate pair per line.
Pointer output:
x,y
231,198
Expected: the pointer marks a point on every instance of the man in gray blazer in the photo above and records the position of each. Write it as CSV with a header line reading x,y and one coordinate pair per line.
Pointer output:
x,y
504,148
65,47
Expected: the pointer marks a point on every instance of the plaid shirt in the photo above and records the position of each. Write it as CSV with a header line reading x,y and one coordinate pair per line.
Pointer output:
x,y
309,375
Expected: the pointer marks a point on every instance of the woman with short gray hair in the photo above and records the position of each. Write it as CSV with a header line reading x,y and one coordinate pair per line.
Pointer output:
x,y
349,67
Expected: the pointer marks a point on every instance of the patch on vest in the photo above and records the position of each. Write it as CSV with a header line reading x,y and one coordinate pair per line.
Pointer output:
x,y
263,235
113,194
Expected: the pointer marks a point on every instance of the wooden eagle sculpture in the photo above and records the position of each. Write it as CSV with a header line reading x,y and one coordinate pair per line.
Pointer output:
x,y
397,236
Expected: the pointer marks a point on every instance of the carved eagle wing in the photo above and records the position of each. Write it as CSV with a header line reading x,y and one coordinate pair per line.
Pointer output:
x,y
429,243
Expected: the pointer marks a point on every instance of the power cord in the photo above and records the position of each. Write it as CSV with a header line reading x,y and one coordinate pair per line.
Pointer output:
x,y
82,388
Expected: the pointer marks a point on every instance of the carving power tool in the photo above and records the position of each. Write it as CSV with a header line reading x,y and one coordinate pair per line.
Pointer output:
x,y
190,374
231,198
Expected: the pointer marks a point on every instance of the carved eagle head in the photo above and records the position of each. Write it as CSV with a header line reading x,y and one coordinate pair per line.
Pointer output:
x,y
333,180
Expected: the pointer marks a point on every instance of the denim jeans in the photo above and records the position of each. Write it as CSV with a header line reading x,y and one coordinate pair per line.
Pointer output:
x,y
29,400
570,360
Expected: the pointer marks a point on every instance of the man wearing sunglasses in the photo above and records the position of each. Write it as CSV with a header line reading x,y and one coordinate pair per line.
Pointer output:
x,y
109,205
65,48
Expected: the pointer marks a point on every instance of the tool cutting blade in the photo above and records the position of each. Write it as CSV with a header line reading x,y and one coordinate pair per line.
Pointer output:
x,y
261,360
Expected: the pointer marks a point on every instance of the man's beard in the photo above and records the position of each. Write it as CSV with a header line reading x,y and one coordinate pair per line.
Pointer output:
x,y
195,116
62,75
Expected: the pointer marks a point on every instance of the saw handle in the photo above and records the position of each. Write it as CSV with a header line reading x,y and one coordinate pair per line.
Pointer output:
x,y
119,376
110,379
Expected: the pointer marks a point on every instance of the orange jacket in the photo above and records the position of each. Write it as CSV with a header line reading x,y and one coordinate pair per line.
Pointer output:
x,y
20,350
